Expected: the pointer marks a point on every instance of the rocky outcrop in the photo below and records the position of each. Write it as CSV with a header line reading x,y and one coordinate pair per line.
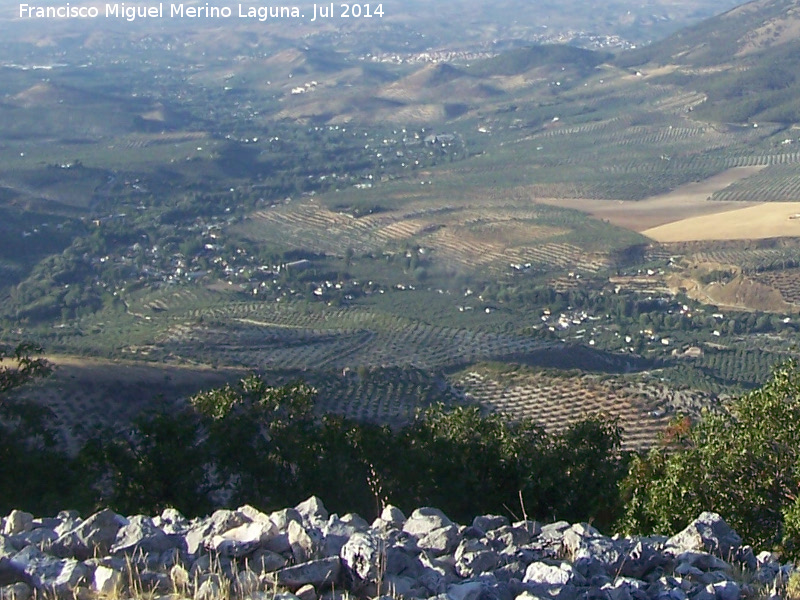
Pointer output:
x,y
303,553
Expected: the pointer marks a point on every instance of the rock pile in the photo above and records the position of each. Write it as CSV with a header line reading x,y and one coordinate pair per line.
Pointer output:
x,y
303,553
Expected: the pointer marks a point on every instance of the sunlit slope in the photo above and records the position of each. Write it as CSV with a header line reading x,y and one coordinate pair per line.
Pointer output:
x,y
745,61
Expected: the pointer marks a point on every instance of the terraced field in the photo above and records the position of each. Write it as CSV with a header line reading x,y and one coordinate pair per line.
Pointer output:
x,y
383,396
558,401
85,393
751,258
637,156
146,140
742,366
377,342
787,282
779,182
175,299
467,236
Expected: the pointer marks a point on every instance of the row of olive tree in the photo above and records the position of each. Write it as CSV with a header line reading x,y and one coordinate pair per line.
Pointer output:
x,y
255,443
743,463
264,445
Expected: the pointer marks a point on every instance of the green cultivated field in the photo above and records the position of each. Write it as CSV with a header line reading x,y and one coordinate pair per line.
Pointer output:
x,y
382,243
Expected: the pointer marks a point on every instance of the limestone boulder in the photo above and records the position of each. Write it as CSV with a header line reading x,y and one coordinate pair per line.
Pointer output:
x,y
709,533
92,537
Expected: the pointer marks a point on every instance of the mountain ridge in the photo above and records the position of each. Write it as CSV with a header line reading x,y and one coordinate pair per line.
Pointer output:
x,y
743,60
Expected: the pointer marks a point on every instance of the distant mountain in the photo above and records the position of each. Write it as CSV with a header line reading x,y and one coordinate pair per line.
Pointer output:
x,y
420,93
742,32
745,60
516,62
436,83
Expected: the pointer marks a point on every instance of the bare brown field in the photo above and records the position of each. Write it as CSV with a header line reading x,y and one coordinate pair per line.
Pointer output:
x,y
102,370
655,72
741,294
685,202
785,31
514,83
44,94
142,140
760,221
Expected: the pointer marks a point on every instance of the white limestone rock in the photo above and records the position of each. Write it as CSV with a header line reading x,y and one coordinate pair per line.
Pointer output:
x,y
107,581
424,520
17,522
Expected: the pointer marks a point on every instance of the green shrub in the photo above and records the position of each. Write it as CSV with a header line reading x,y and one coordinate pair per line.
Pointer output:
x,y
742,463
28,445
252,443
264,445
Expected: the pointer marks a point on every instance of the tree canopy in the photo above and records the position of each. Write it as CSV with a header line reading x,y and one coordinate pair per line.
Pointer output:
x,y
742,462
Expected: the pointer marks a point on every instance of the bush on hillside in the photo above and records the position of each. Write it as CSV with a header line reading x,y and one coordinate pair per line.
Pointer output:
x,y
27,444
252,443
743,463
261,444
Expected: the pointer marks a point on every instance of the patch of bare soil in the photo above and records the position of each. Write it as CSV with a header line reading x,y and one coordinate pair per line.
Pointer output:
x,y
760,221
686,201
739,293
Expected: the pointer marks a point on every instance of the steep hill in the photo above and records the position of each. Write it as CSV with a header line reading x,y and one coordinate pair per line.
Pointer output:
x,y
516,62
744,60
377,92
743,31
437,84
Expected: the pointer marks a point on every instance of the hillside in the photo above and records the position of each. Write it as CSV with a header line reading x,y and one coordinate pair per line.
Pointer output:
x,y
388,218
744,60
743,31
516,62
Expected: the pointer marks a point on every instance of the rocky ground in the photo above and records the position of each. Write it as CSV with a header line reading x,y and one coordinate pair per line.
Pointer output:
x,y
303,553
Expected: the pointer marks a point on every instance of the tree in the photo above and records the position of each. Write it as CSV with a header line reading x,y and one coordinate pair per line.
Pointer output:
x,y
258,439
160,462
241,443
28,445
26,369
467,463
463,462
590,464
743,463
